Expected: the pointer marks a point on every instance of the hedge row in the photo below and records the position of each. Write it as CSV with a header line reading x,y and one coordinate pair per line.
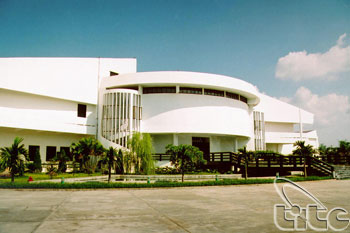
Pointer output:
x,y
158,184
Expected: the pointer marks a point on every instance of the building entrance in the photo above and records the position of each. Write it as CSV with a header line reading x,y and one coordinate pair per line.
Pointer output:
x,y
203,144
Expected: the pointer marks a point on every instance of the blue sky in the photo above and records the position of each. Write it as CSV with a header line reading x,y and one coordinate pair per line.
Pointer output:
x,y
243,39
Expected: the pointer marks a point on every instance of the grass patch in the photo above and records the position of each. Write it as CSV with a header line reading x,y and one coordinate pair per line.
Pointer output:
x,y
44,176
99,185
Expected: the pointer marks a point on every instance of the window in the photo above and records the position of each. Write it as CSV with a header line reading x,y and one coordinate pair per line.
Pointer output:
x,y
243,99
154,90
32,151
191,90
232,95
66,150
111,73
50,153
213,92
81,110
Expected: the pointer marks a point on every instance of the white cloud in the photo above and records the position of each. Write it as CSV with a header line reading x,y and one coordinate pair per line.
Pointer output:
x,y
332,113
302,65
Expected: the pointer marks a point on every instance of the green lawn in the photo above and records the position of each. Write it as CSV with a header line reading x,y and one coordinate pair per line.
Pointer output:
x,y
43,176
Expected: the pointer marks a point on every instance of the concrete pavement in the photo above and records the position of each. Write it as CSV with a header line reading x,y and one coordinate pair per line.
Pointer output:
x,y
242,208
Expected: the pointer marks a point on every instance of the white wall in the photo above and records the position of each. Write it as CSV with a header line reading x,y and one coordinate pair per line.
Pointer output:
x,y
189,113
160,141
279,127
217,143
66,78
279,111
285,149
38,138
28,111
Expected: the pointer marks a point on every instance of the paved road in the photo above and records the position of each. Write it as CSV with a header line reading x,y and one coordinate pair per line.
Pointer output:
x,y
243,208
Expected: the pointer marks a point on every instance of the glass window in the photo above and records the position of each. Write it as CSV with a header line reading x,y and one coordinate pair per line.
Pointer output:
x,y
81,110
243,99
50,153
191,90
213,92
232,95
32,151
154,90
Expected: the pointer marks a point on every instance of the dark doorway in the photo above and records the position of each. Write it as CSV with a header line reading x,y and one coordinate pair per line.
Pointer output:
x,y
203,144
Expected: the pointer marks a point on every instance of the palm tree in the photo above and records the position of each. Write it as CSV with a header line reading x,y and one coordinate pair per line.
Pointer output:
x,y
13,157
62,159
87,152
303,150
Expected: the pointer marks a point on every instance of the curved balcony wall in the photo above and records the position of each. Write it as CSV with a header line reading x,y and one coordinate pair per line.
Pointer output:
x,y
195,114
121,115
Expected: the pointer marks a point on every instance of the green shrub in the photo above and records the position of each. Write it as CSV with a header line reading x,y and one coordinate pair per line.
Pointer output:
x,y
159,184
166,170
30,166
37,162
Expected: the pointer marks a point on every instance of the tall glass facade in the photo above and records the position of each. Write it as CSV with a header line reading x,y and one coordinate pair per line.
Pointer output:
x,y
121,115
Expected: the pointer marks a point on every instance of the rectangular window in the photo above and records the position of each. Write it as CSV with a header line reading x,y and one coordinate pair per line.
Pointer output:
x,y
50,153
66,150
32,151
112,73
81,110
155,90
232,95
213,92
191,90
243,99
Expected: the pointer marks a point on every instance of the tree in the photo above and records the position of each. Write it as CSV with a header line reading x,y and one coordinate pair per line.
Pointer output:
x,y
87,152
62,159
141,150
37,161
185,157
13,157
303,150
119,165
322,150
344,148
110,159
246,155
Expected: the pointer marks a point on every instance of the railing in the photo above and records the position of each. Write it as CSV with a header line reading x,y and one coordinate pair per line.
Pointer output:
x,y
161,157
70,165
335,159
264,160
321,166
223,157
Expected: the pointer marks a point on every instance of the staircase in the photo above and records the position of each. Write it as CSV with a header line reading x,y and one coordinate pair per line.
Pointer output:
x,y
319,167
342,171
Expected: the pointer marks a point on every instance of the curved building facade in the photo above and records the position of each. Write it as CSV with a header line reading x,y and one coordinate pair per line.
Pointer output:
x,y
52,102
213,112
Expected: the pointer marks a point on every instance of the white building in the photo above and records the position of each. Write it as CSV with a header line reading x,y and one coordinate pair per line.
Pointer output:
x,y
52,102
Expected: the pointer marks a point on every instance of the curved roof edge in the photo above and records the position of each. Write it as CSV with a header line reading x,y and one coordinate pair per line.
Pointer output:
x,y
195,79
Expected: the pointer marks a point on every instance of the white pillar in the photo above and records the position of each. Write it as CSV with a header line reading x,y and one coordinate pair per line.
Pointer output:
x,y
175,140
300,126
140,89
236,145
